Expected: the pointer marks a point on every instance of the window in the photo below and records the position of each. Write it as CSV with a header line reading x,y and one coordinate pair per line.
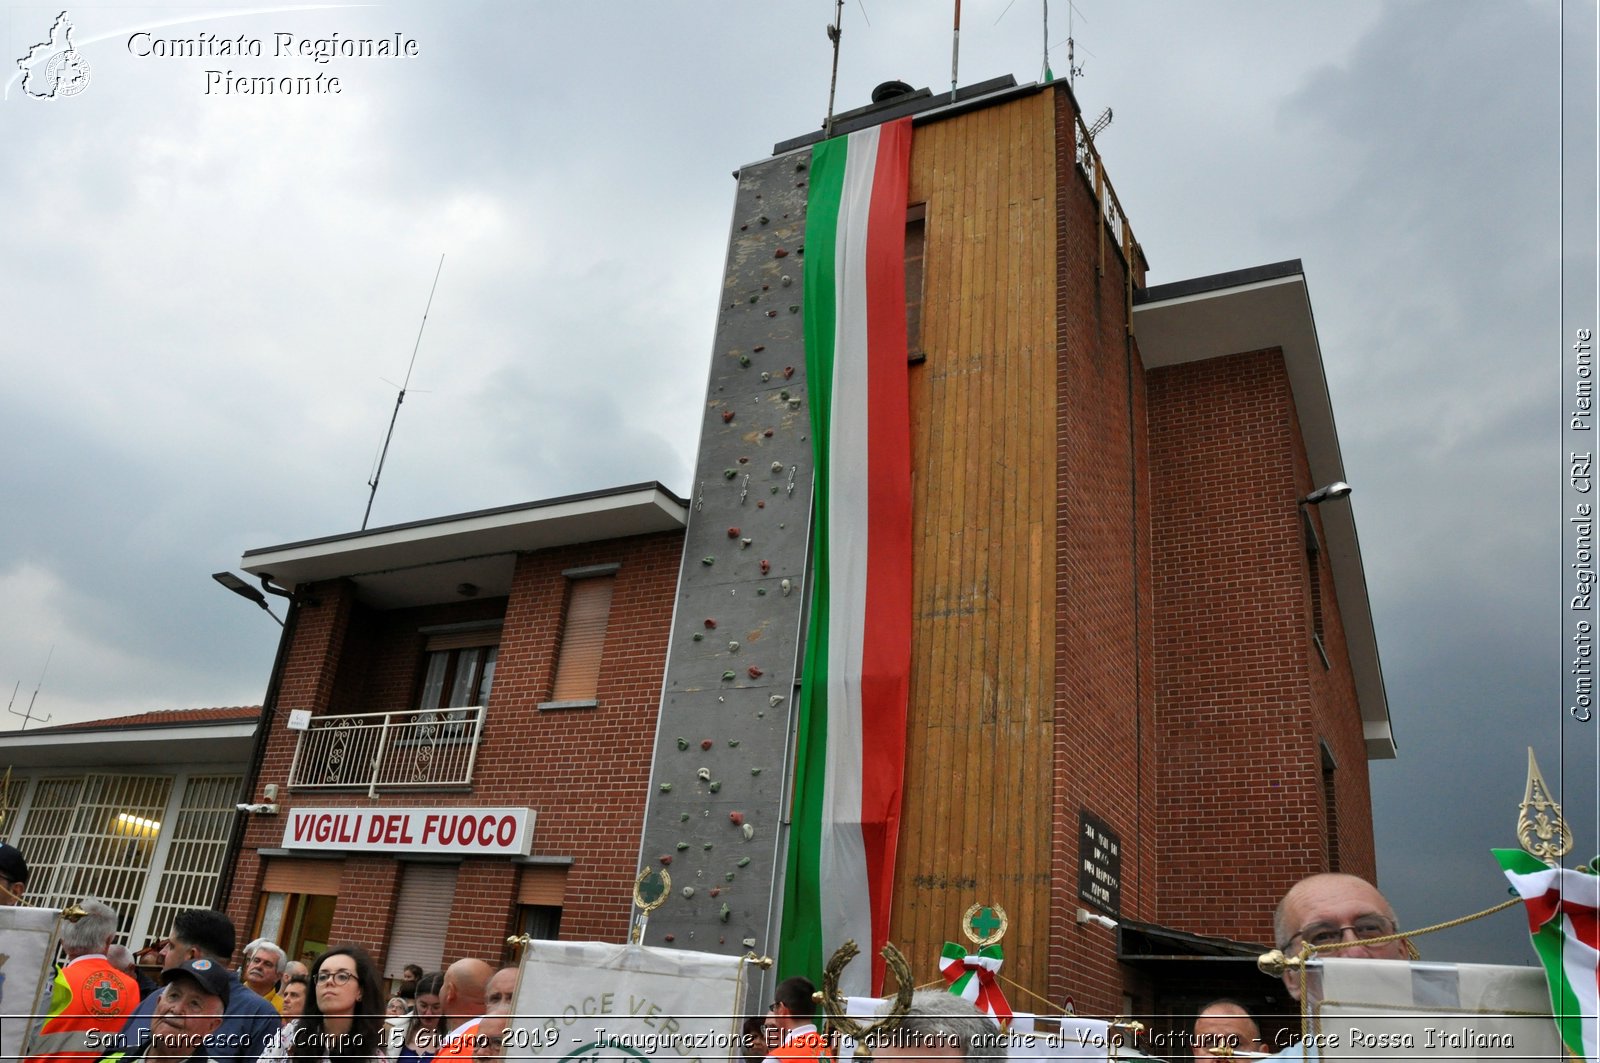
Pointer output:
x,y
457,674
417,933
583,637
1330,802
916,245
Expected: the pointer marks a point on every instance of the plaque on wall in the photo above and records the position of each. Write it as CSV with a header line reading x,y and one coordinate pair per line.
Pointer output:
x,y
1099,863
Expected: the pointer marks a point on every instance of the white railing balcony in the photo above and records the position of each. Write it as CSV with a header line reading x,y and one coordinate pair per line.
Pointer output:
x,y
375,751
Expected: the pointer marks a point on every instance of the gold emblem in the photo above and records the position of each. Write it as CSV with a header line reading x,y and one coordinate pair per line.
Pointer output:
x,y
985,924
1540,828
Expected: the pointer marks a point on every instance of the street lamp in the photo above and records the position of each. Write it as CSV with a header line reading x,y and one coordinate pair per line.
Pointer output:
x,y
244,590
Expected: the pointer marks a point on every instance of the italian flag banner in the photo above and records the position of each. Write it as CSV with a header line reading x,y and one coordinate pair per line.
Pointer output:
x,y
852,704
1564,918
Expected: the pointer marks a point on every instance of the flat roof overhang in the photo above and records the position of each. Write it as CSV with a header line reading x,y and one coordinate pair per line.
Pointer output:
x,y
425,562
221,746
1257,309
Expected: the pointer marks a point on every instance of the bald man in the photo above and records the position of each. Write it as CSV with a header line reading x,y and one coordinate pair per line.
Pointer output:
x,y
1225,1028
465,1000
1332,909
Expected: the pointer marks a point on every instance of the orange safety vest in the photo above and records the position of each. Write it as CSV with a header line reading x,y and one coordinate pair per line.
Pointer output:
x,y
808,1047
460,1046
88,1003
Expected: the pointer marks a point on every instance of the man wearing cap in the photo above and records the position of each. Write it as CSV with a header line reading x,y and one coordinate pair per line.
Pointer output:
x,y
195,993
90,998
248,1021
13,875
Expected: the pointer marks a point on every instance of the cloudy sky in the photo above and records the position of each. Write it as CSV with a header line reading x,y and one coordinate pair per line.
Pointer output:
x,y
210,298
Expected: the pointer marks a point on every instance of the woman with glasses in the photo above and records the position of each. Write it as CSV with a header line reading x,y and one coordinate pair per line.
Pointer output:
x,y
418,1038
343,1017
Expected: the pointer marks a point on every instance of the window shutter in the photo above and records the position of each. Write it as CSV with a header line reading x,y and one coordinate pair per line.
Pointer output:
x,y
583,638
461,640
320,877
543,885
427,895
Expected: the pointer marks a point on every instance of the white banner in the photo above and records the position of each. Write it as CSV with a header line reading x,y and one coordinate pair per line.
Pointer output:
x,y
451,831
587,1001
1077,1038
1384,1009
27,946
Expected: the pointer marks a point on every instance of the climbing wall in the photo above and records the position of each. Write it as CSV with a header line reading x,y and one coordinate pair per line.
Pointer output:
x,y
716,814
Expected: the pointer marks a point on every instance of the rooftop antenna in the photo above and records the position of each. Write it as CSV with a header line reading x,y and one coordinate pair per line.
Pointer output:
x,y
955,51
401,397
1046,75
835,31
28,716
1074,71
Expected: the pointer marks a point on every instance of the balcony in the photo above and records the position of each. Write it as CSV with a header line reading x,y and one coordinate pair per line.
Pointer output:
x,y
375,751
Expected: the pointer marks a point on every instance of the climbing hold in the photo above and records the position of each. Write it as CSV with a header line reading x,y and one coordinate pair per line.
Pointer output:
x,y
733,743
794,308
794,404
666,858
763,219
669,937
772,313
683,817
786,280
710,623
708,560
768,432
761,503
755,771
784,395
766,566
775,700
744,460
733,533
733,647
724,912
758,348
777,466
683,743
714,890
745,542
787,587
754,672
666,788
748,830
744,360
698,636
765,376
705,743
761,592
688,891
748,943
727,415
727,675
744,861
736,818
780,253
788,371
703,774
706,847
728,474
682,846
715,786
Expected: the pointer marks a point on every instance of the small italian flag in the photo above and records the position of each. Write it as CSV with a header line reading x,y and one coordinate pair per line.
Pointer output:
x,y
851,743
1564,918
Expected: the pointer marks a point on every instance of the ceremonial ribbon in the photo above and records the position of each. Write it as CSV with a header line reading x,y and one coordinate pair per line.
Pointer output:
x,y
971,976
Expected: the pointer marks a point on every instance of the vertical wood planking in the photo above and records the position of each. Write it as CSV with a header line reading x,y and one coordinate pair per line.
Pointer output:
x,y
983,423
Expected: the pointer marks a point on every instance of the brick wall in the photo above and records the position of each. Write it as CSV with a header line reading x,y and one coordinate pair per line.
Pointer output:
x,y
1242,699
584,771
1104,688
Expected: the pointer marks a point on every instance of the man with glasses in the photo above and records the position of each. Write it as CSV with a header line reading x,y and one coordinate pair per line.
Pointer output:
x,y
1332,909
247,1022
793,1016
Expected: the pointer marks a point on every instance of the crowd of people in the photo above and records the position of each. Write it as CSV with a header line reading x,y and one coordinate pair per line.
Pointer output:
x,y
339,1010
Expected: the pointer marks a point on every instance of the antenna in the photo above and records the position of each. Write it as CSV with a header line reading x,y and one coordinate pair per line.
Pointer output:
x,y
1046,75
398,399
1100,123
955,51
1074,71
28,716
835,31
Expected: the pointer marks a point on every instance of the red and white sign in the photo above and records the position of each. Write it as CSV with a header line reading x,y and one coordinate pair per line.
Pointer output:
x,y
442,831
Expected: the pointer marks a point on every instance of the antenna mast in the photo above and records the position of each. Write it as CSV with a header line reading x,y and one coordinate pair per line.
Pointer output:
x,y
955,51
28,716
1074,71
835,31
398,399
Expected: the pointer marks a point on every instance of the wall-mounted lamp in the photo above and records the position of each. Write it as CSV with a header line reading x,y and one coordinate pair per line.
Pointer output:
x,y
1327,493
244,590
1086,916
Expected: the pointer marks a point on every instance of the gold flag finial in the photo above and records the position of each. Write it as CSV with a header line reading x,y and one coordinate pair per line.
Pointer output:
x,y
1540,828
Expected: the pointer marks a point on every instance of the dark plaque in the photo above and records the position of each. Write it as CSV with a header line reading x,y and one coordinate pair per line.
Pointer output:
x,y
1099,863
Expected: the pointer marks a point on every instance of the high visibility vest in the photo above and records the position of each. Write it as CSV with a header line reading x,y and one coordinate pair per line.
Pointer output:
x,y
88,1003
807,1047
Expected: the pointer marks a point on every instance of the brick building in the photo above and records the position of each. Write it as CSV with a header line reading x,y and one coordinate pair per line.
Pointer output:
x,y
1144,683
